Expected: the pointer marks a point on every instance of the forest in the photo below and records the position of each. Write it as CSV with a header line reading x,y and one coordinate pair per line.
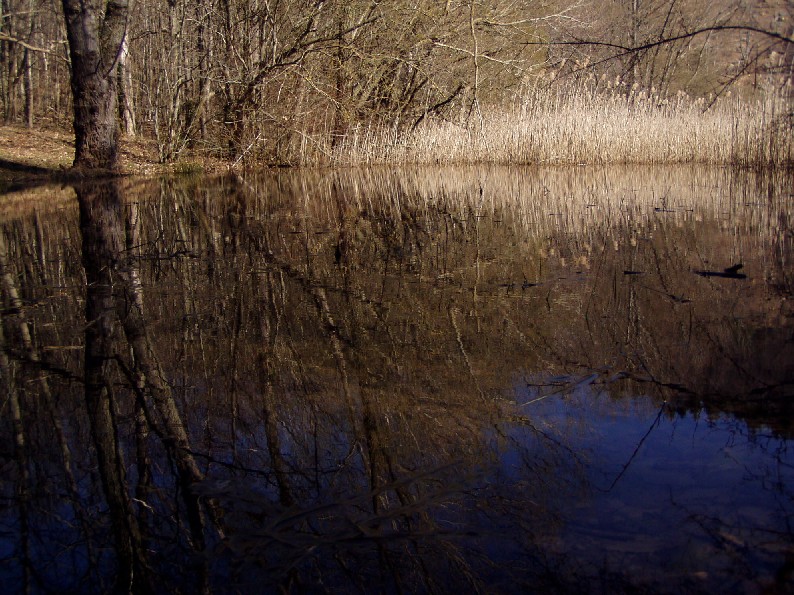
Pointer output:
x,y
308,82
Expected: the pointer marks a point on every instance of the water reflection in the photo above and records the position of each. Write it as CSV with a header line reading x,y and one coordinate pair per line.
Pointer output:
x,y
676,502
425,380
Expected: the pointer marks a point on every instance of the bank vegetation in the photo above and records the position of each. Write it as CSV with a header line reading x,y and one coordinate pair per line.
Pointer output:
x,y
461,81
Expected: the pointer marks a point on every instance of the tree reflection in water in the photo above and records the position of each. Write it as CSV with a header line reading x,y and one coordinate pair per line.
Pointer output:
x,y
352,381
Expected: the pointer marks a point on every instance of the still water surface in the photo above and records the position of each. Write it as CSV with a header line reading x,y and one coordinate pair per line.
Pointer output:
x,y
490,379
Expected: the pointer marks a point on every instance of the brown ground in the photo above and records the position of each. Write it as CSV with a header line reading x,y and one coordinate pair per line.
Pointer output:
x,y
39,154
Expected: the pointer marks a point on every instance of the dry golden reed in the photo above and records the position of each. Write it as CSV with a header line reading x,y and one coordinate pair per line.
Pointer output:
x,y
577,125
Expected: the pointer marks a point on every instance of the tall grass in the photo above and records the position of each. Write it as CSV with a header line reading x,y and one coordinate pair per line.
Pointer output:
x,y
577,124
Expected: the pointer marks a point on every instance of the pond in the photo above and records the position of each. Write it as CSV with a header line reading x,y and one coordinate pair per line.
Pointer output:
x,y
497,380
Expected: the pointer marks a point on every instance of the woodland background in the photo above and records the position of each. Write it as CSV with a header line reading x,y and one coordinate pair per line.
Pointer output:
x,y
285,82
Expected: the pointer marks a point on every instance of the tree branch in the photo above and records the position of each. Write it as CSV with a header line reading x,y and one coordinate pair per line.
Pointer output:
x,y
24,44
625,49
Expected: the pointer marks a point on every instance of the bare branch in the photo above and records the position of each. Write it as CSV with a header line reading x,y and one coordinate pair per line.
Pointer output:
x,y
625,49
24,44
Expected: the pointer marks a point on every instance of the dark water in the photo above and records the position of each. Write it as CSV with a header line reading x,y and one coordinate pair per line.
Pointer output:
x,y
490,380
676,502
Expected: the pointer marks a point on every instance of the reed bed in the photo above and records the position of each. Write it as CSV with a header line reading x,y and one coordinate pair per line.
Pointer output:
x,y
582,126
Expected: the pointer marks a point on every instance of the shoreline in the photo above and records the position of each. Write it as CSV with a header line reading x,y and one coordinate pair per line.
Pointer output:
x,y
36,156
32,156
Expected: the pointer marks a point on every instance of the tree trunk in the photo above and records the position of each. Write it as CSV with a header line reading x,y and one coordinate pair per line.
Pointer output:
x,y
28,87
126,108
94,47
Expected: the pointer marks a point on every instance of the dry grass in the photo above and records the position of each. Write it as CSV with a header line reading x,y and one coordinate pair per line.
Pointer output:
x,y
576,126
592,122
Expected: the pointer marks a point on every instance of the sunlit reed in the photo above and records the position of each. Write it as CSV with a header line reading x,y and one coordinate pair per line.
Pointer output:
x,y
575,125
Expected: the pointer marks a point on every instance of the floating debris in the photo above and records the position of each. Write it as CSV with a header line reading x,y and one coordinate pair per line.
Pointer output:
x,y
731,272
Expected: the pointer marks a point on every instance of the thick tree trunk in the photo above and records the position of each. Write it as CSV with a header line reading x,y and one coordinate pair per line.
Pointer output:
x,y
95,43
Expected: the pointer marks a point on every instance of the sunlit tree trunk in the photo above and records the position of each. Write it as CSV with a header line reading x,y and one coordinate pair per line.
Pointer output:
x,y
126,107
95,43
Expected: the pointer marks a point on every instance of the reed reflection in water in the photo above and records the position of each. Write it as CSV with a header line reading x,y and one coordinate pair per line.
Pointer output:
x,y
353,380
